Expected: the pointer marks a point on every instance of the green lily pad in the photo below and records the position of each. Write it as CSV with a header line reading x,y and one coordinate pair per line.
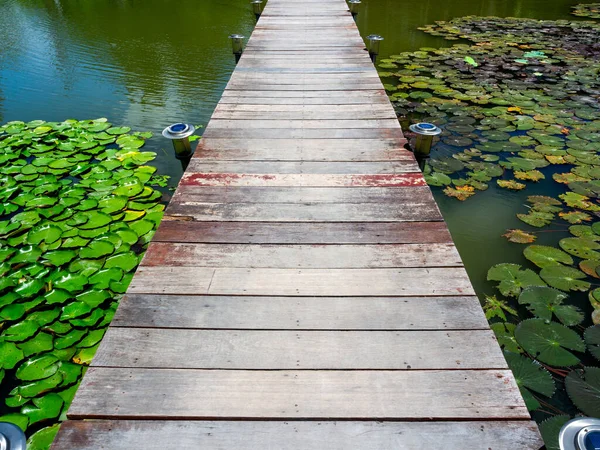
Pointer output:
x,y
39,387
129,187
102,278
513,279
543,302
40,343
549,342
592,340
544,256
20,420
536,218
565,278
26,254
580,247
126,261
59,257
505,333
38,368
93,297
530,376
42,439
583,387
20,331
550,429
71,282
43,408
117,130
11,355
96,249
75,310
113,203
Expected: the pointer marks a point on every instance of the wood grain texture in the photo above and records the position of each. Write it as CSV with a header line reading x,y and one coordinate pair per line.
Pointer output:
x,y
300,313
301,282
180,229
300,394
301,256
289,350
296,435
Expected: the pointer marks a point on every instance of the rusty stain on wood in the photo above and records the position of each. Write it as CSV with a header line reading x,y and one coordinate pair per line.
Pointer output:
x,y
302,271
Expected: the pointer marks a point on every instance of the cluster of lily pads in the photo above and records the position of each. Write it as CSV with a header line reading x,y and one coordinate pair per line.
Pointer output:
x,y
76,212
521,104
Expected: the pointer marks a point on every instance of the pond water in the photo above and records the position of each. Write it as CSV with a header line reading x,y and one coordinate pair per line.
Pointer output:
x,y
150,63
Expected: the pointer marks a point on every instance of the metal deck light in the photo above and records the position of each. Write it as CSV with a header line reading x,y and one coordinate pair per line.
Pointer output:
x,y
374,42
354,5
580,434
237,45
425,133
179,134
257,8
11,437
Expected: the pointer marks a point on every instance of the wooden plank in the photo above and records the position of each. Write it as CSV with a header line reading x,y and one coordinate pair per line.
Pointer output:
x,y
296,435
316,394
295,350
300,313
309,212
382,195
306,133
303,180
302,124
178,229
302,256
198,165
302,282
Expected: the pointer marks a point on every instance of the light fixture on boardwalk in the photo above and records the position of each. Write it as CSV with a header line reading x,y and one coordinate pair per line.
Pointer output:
x,y
11,437
374,42
237,45
425,133
179,134
354,5
257,8
582,433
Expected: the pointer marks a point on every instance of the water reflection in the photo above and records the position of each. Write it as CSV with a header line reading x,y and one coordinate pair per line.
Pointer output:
x,y
144,63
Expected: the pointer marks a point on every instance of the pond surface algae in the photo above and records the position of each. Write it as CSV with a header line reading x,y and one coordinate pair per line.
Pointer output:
x,y
302,291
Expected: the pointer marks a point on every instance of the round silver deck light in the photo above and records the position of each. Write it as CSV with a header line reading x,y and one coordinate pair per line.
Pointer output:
x,y
580,434
257,8
11,437
179,134
237,45
374,43
354,6
425,133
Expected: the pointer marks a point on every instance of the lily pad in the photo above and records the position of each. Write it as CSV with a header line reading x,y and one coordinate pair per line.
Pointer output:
x,y
530,376
38,368
543,302
580,247
565,278
549,342
592,340
544,256
583,387
519,236
513,279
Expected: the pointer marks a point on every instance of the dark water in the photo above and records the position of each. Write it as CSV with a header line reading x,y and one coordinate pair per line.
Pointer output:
x,y
148,63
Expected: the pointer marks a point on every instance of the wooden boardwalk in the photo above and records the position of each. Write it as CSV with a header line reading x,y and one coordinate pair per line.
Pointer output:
x,y
303,291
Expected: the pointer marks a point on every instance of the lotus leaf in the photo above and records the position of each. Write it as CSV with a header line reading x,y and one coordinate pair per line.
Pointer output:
x,y
550,429
59,257
40,343
565,278
549,342
543,302
46,407
93,297
71,282
583,387
519,236
20,331
69,339
580,247
11,355
544,256
592,340
38,367
125,261
41,439
102,278
513,279
96,249
530,376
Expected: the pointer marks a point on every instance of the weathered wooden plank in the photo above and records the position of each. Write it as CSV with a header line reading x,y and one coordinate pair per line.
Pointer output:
x,y
210,194
301,150
300,313
315,394
302,115
309,212
302,282
198,165
303,180
294,350
302,124
302,256
177,229
268,99
296,435
306,133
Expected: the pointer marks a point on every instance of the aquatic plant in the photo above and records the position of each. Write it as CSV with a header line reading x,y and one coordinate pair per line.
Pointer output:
x,y
519,105
76,212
